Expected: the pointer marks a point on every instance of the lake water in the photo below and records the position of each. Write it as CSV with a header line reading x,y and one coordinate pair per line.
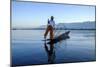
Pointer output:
x,y
28,47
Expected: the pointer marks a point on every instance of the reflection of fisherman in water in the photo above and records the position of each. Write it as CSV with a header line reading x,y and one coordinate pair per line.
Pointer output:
x,y
50,52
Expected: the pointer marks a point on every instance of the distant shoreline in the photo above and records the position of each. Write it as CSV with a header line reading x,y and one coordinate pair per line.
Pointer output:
x,y
56,29
63,26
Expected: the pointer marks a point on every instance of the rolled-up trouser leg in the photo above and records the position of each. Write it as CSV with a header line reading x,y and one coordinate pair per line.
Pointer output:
x,y
49,28
51,33
46,32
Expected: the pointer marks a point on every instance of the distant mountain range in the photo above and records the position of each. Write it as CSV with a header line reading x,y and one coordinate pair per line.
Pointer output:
x,y
83,25
78,25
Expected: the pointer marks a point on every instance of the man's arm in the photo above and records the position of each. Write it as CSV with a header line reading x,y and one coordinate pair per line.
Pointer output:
x,y
48,22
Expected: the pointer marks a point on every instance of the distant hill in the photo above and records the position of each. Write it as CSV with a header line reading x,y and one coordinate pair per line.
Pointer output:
x,y
83,25
77,25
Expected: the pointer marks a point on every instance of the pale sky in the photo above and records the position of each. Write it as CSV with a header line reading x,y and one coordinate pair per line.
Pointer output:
x,y
32,14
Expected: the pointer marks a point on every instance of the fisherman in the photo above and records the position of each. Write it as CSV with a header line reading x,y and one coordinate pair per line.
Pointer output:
x,y
50,28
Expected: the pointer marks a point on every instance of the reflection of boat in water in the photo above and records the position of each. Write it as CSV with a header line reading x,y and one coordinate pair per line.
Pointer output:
x,y
59,38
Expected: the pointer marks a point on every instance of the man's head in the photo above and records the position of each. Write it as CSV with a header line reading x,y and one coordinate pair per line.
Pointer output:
x,y
52,17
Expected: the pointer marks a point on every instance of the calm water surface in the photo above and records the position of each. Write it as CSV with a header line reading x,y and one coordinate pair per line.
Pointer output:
x,y
28,47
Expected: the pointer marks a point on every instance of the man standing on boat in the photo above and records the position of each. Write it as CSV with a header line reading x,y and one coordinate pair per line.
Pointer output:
x,y
50,27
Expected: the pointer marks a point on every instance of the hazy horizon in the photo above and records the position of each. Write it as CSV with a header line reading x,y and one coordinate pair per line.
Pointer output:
x,y
41,26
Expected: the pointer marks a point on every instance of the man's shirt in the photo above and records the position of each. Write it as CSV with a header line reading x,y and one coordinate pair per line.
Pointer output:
x,y
52,23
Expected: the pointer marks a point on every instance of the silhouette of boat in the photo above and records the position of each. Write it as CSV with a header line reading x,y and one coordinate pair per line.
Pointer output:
x,y
59,38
